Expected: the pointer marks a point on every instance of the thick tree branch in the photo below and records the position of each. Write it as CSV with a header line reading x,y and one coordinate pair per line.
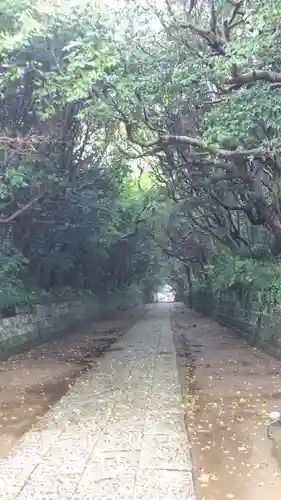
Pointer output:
x,y
237,80
214,42
169,140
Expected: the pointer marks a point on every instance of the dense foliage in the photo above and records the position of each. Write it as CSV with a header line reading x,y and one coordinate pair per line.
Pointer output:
x,y
188,91
73,215
209,115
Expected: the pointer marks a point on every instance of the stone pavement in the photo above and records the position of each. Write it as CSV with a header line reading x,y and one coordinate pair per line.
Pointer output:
x,y
118,434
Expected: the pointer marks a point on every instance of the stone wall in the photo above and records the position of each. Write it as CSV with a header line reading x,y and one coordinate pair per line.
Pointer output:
x,y
260,324
45,322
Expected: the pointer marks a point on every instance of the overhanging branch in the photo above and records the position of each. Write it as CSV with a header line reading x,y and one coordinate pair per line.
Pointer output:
x,y
176,140
237,80
21,210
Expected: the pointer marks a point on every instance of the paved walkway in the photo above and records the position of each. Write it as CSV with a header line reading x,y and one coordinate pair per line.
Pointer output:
x,y
118,434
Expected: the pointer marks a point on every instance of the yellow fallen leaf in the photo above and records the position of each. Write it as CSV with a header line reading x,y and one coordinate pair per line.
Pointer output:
x,y
204,478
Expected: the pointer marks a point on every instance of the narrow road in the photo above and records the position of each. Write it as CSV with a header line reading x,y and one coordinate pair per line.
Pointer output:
x,y
118,434
229,388
34,381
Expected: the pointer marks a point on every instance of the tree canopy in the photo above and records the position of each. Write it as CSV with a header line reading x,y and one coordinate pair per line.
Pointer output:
x,y
136,133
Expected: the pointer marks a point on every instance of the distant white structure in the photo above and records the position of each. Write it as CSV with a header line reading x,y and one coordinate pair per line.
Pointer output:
x,y
166,294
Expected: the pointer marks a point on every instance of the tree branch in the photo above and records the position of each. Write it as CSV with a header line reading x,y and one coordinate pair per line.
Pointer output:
x,y
237,80
169,139
24,144
214,42
21,210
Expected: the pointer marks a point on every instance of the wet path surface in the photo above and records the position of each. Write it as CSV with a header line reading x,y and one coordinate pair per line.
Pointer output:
x,y
228,389
118,433
31,383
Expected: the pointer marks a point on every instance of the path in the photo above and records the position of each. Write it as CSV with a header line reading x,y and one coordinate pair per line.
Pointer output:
x,y
118,434
32,382
229,388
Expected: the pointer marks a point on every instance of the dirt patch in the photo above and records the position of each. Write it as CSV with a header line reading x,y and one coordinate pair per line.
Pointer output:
x,y
33,382
228,390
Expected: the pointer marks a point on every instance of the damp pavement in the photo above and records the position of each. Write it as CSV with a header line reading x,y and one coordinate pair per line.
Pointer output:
x,y
117,434
34,381
229,388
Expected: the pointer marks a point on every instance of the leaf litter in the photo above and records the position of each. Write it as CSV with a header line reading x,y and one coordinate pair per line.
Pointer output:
x,y
228,390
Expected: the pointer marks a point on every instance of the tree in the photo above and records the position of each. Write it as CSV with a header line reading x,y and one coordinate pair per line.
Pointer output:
x,y
68,219
87,93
